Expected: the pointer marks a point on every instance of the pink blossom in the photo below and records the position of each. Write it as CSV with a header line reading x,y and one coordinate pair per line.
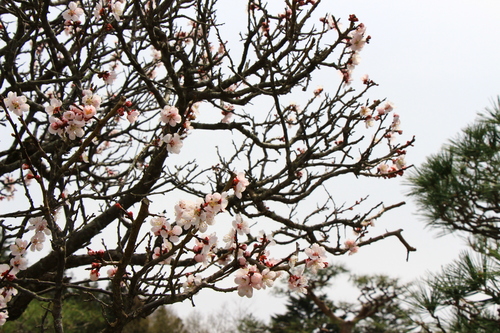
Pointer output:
x,y
40,225
316,252
240,225
6,272
355,59
386,108
88,112
185,213
170,115
57,125
203,248
329,20
116,9
18,263
99,10
174,143
165,248
16,104
400,162
316,258
132,116
350,244
216,203
160,226
73,12
6,294
297,281
292,261
19,247
227,117
389,106
365,111
74,130
111,272
268,277
54,107
108,76
346,75
192,281
357,42
247,279
89,98
369,121
230,239
365,79
240,184
37,242
396,123
156,54
265,238
383,168
3,316
94,274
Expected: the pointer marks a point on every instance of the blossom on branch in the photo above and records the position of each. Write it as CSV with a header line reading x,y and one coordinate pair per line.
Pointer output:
x,y
16,104
316,258
241,226
73,12
248,279
351,245
297,281
240,184
170,115
174,143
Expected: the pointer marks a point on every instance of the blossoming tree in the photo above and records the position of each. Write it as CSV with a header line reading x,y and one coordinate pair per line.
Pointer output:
x,y
101,99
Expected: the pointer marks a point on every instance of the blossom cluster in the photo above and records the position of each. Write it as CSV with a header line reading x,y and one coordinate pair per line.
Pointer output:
x,y
370,116
203,248
40,225
251,277
316,258
356,42
18,262
97,263
104,7
200,213
169,233
72,122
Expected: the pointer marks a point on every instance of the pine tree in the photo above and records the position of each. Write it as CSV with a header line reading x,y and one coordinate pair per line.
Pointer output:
x,y
458,190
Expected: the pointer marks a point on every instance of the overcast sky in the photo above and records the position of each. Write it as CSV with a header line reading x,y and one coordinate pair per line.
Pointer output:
x,y
439,63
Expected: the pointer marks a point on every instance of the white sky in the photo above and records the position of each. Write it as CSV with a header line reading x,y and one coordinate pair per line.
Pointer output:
x,y
439,62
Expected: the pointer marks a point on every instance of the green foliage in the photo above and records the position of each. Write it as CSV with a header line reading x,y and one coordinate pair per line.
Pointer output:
x,y
380,307
79,316
86,316
250,324
463,296
459,190
163,320
302,316
459,187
